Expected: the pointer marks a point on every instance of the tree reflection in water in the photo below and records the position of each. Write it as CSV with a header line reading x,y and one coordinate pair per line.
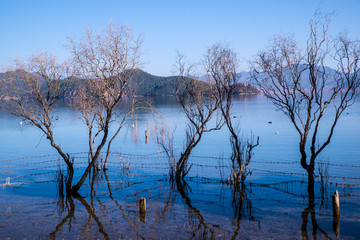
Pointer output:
x,y
311,210
324,176
70,205
200,228
199,225
131,223
242,207
180,209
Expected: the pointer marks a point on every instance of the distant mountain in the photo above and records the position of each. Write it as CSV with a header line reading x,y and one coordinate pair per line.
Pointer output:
x,y
144,84
331,75
242,77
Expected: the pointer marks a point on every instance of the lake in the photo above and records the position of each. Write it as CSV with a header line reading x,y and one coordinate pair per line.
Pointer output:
x,y
273,203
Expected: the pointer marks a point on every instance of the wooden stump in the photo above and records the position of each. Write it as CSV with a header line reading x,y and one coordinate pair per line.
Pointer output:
x,y
142,207
336,213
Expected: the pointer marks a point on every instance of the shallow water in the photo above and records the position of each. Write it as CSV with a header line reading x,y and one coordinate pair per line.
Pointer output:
x,y
274,203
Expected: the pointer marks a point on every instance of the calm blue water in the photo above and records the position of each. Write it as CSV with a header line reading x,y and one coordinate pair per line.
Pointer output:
x,y
275,193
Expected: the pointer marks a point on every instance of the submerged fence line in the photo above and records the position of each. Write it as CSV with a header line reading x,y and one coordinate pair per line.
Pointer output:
x,y
299,174
74,154
30,157
150,165
34,174
129,182
207,179
157,155
28,164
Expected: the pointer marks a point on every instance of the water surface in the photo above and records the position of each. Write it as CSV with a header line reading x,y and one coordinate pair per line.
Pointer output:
x,y
274,203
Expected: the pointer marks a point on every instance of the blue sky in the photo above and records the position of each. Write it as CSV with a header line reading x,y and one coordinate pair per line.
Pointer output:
x,y
167,26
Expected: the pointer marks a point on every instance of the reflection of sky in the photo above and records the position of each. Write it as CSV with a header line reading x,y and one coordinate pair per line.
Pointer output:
x,y
253,114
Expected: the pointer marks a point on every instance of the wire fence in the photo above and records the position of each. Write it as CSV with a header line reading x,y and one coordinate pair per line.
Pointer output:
x,y
46,166
139,178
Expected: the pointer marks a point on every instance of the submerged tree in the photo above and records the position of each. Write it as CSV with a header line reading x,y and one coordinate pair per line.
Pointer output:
x,y
106,62
221,64
303,88
203,99
31,89
199,101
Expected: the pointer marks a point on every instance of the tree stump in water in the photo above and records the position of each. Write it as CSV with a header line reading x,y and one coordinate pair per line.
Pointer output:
x,y
143,210
336,213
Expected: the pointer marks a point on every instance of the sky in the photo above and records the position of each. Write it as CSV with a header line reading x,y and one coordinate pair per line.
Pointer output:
x,y
187,26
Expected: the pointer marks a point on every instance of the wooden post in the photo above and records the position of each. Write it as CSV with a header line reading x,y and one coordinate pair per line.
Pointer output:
x,y
143,210
336,213
336,204
7,181
146,136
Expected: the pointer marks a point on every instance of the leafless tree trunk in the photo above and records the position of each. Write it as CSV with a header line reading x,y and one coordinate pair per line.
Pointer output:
x,y
31,89
106,62
165,138
199,101
297,83
221,64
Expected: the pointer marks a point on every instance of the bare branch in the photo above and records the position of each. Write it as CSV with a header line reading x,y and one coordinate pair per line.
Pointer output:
x,y
297,82
106,62
31,88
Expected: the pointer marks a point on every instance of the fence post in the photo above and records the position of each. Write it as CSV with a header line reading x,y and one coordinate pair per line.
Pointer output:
x,y
336,213
143,210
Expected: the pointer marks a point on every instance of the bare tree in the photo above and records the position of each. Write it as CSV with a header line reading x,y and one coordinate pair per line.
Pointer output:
x,y
221,64
31,89
302,87
165,138
106,62
199,101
